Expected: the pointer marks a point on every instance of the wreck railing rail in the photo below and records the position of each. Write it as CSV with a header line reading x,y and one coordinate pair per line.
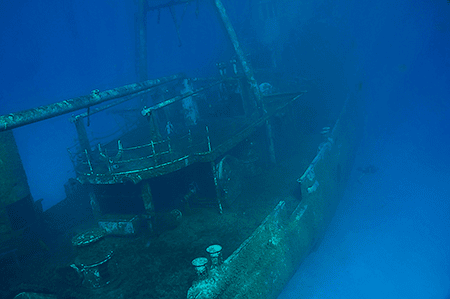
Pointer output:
x,y
147,149
109,161
126,162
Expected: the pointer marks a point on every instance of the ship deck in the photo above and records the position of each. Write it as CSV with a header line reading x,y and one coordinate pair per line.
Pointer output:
x,y
143,156
152,266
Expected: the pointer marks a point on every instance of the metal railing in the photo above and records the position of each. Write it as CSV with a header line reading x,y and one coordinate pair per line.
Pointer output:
x,y
144,157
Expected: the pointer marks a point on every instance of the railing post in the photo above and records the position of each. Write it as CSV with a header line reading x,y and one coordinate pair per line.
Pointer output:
x,y
208,139
93,200
169,148
216,185
147,198
153,152
88,161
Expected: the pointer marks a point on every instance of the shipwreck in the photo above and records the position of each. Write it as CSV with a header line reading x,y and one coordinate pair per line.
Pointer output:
x,y
213,187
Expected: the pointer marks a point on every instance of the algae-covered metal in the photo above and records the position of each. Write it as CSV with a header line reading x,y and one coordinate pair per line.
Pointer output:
x,y
15,120
264,263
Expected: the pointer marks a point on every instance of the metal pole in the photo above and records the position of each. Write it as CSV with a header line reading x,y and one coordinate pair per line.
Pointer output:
x,y
26,117
269,133
216,185
82,134
248,71
94,203
147,198
141,38
148,111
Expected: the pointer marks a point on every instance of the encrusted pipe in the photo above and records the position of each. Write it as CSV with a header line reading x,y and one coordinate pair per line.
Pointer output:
x,y
22,118
148,111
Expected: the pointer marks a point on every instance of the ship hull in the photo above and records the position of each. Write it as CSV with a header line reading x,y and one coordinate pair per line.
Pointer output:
x,y
265,262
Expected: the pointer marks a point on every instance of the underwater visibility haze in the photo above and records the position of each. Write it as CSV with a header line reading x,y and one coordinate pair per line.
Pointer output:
x,y
215,146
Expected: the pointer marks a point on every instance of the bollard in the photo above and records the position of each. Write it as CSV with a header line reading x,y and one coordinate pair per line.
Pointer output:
x,y
215,254
201,267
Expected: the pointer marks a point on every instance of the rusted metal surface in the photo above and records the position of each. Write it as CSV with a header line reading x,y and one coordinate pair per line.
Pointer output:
x,y
22,118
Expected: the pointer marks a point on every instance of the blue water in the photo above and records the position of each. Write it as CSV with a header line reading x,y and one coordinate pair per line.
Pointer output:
x,y
389,237
56,50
